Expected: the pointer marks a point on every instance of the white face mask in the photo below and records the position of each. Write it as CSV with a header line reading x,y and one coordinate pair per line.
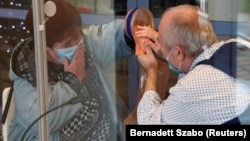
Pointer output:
x,y
67,53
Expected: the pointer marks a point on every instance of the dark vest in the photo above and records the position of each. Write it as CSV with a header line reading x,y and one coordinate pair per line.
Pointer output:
x,y
224,59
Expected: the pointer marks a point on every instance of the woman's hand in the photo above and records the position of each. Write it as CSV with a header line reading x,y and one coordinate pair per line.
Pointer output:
x,y
77,66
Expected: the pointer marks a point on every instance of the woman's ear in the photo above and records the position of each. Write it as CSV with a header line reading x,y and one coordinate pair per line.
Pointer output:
x,y
51,55
48,49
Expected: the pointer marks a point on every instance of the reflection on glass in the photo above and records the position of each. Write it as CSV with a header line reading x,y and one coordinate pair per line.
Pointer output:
x,y
16,4
12,31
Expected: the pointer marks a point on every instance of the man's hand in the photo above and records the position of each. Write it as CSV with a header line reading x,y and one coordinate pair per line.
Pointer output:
x,y
148,60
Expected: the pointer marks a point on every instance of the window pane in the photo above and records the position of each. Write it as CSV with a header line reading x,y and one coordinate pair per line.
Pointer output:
x,y
16,4
13,30
158,6
104,7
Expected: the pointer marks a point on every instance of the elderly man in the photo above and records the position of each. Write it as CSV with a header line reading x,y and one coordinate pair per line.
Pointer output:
x,y
205,92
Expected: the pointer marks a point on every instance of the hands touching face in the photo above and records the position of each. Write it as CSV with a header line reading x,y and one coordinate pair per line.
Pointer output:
x,y
77,66
73,62
151,35
146,31
150,45
148,61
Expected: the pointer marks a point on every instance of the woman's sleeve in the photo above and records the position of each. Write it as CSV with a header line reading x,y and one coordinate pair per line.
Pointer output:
x,y
107,42
27,103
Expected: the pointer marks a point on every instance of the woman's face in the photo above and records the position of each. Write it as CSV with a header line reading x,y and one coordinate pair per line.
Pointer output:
x,y
64,46
68,42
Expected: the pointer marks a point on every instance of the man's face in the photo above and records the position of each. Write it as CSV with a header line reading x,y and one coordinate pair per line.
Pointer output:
x,y
163,51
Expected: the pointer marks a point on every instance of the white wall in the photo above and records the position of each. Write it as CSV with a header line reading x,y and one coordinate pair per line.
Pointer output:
x,y
223,10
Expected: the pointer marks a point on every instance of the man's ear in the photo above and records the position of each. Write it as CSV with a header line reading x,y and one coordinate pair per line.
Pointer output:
x,y
180,53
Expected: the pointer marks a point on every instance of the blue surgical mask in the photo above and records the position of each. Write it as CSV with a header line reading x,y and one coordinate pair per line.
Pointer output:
x,y
178,71
67,53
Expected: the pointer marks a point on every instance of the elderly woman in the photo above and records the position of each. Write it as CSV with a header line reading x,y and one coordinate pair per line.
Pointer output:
x,y
74,58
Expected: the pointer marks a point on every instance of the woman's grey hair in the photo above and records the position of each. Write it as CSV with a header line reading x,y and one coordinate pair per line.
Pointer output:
x,y
190,30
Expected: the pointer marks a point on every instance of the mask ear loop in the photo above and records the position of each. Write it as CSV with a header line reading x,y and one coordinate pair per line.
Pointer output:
x,y
52,54
180,66
167,58
80,42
